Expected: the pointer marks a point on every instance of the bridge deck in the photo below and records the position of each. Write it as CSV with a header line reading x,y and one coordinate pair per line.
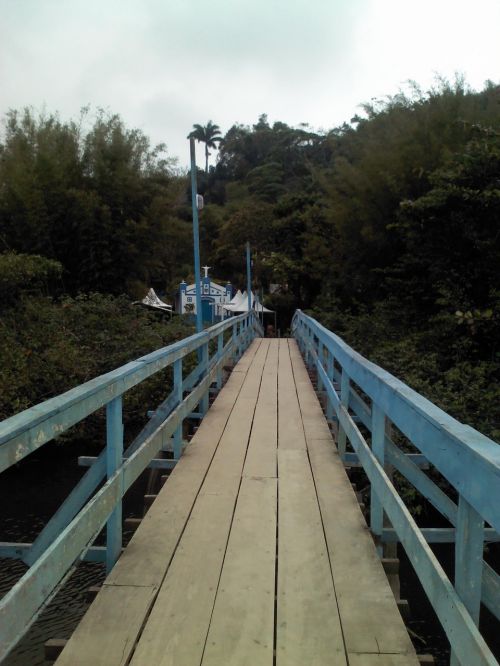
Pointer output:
x,y
255,548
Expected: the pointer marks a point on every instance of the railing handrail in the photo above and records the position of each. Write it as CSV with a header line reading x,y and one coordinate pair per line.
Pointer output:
x,y
399,402
468,459
21,434
70,532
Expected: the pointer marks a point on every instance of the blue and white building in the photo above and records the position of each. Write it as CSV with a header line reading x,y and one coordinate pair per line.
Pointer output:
x,y
213,297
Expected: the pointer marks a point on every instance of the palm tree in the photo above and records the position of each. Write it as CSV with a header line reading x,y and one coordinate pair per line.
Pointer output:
x,y
210,135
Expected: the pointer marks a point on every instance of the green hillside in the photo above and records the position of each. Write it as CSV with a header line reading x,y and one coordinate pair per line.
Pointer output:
x,y
387,228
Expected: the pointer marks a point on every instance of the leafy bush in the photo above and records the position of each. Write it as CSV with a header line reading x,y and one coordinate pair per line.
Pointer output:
x,y
48,347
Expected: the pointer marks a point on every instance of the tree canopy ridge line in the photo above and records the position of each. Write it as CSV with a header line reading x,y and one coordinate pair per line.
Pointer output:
x,y
384,228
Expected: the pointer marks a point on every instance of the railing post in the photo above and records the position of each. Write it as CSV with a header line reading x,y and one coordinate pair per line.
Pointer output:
x,y
235,342
345,385
321,359
329,372
378,449
204,360
307,342
178,395
220,348
114,456
469,541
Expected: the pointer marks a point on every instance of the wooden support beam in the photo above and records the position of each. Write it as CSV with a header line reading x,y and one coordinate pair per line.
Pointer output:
x,y
91,593
149,499
132,523
53,648
391,565
404,609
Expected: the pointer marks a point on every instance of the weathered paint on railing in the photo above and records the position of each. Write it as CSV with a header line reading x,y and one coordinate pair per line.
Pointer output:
x,y
467,459
68,536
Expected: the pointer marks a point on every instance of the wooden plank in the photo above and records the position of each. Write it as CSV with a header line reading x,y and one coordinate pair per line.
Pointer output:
x,y
261,456
230,455
107,633
290,429
370,619
188,592
177,627
246,360
313,419
242,627
381,660
254,373
308,629
148,554
147,557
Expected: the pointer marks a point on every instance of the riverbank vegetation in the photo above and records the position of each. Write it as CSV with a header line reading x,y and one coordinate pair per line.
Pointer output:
x,y
386,229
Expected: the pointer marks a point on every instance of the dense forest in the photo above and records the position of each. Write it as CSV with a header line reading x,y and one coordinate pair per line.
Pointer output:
x,y
387,229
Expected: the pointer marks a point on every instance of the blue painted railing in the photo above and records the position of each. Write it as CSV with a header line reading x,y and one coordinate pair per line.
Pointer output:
x,y
358,391
68,536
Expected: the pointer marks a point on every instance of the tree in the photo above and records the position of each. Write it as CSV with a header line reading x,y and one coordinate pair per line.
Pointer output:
x,y
96,200
209,135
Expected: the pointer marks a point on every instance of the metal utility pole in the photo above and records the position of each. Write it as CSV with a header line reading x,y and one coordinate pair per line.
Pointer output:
x,y
249,278
196,237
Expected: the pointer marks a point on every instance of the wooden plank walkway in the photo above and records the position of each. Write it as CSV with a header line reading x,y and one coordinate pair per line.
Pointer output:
x,y
255,551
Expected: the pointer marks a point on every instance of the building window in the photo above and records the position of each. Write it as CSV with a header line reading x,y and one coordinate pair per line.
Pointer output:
x,y
189,299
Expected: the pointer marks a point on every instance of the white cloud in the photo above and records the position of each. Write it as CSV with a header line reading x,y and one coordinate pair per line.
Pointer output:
x,y
165,64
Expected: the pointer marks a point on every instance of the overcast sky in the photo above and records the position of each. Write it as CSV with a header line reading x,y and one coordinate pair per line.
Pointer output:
x,y
166,64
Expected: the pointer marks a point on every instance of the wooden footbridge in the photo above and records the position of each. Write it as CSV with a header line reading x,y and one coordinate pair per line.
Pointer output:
x,y
255,550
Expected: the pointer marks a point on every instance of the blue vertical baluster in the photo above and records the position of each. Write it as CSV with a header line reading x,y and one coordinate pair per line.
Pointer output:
x,y
220,348
234,340
345,385
378,448
311,347
307,343
114,456
321,359
329,372
469,542
204,361
178,395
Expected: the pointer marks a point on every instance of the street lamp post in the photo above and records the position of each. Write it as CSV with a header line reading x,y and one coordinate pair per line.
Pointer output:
x,y
249,278
196,237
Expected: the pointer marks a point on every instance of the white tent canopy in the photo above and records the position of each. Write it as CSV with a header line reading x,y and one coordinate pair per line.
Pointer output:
x,y
242,304
261,308
153,301
237,303
236,298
